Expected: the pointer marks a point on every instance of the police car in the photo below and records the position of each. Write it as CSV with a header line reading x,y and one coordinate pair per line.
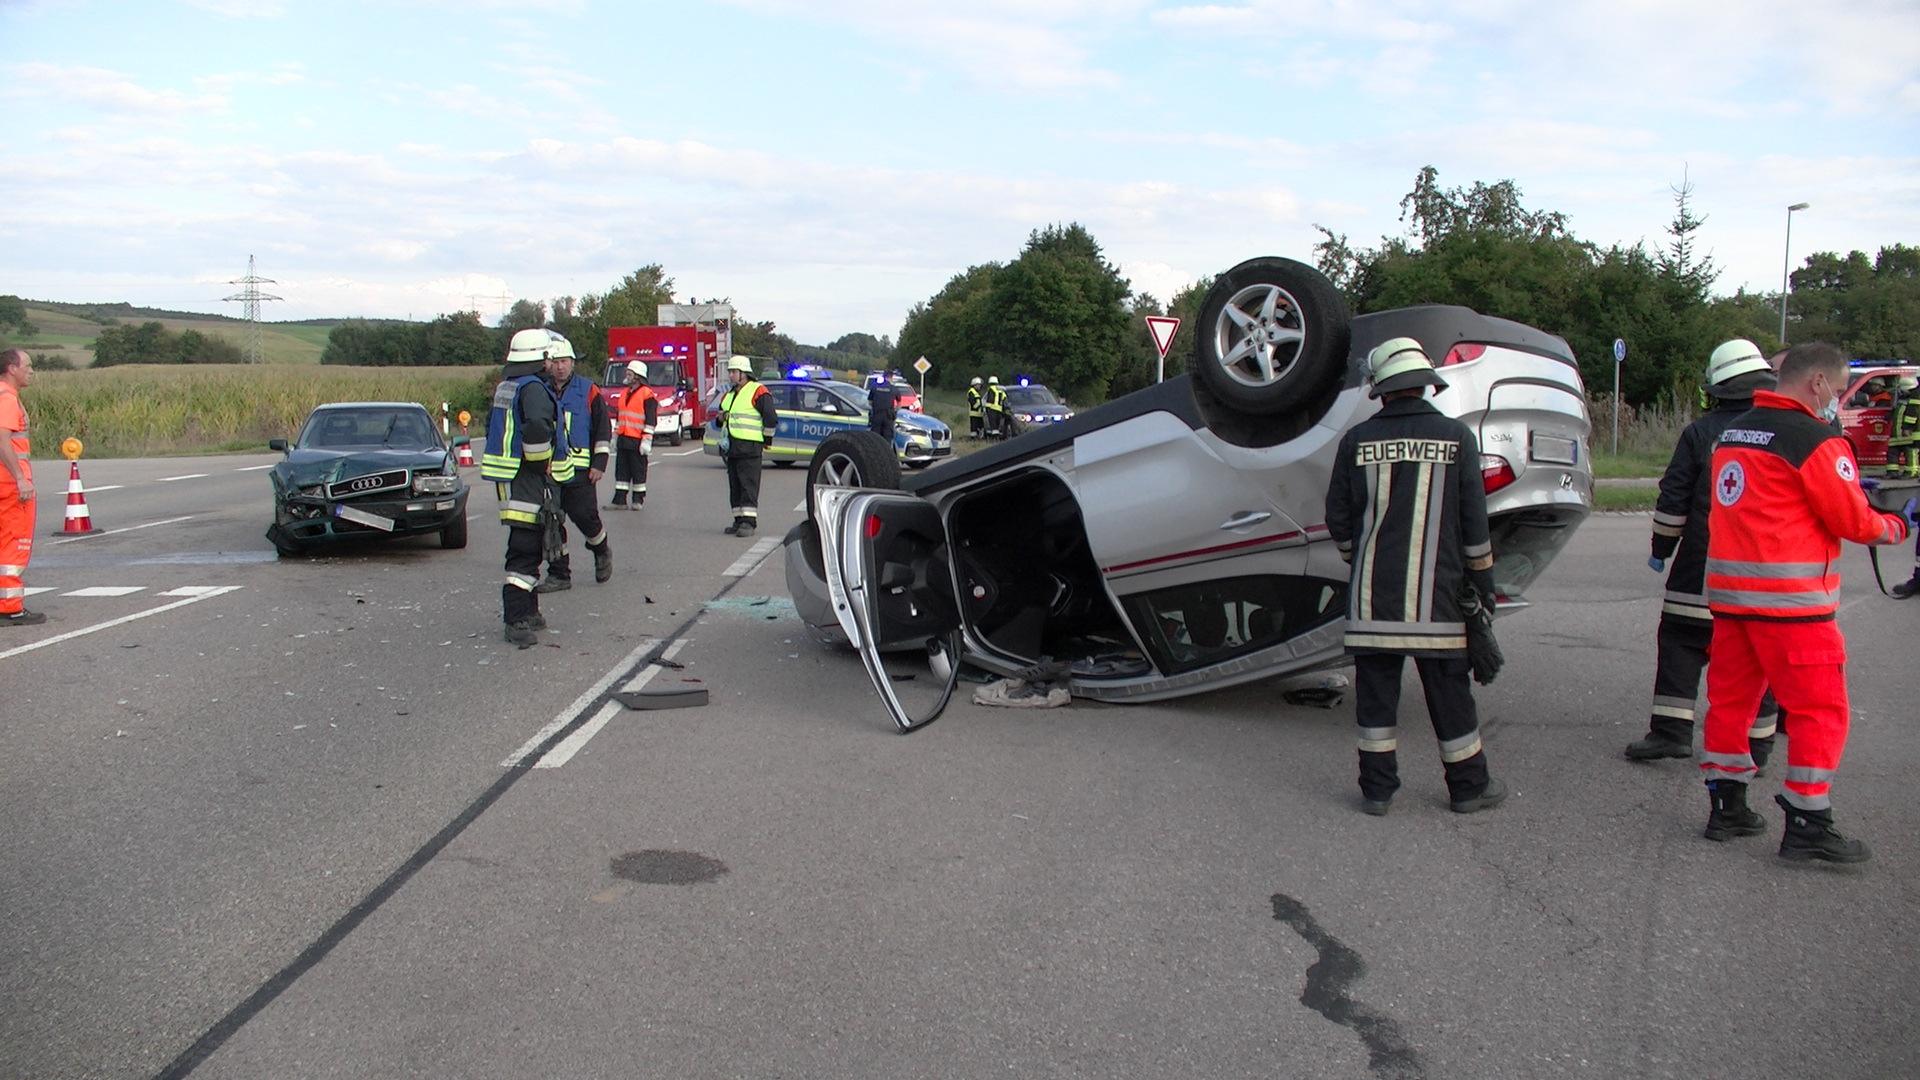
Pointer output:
x,y
812,409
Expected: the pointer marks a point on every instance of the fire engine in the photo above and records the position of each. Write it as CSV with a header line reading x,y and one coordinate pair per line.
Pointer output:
x,y
679,362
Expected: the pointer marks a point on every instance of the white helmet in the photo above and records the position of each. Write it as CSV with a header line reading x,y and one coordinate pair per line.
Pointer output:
x,y
1736,357
975,382
741,364
994,380
1906,384
1400,364
538,344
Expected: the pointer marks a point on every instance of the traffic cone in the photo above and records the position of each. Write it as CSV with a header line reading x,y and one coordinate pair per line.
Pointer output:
x,y
464,456
79,521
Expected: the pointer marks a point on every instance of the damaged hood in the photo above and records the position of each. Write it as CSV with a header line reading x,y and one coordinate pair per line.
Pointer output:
x,y
308,467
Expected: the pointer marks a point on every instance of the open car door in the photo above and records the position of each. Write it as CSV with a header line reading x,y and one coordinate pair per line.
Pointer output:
x,y
891,582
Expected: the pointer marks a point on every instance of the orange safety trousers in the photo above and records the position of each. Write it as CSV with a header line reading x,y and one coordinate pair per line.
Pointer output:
x,y
16,547
1806,665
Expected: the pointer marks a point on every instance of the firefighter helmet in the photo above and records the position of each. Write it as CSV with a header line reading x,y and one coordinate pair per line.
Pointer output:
x,y
742,364
538,344
1400,364
1732,360
993,380
975,382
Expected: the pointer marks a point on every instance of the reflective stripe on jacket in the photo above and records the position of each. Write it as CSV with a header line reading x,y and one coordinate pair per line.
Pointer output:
x,y
742,414
639,411
1680,515
511,438
973,401
576,429
1408,510
1786,491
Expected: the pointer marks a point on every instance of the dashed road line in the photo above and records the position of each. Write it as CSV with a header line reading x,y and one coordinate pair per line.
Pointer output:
x,y
564,750
84,490
106,590
573,708
684,453
184,476
128,529
744,565
110,623
254,468
194,590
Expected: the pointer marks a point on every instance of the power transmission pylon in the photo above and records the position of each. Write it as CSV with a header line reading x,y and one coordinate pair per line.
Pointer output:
x,y
250,298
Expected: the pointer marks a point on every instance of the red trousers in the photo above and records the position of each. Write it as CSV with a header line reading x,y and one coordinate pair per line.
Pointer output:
x,y
1806,665
16,547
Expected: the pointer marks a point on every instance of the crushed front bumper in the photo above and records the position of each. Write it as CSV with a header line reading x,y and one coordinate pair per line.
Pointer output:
x,y
300,520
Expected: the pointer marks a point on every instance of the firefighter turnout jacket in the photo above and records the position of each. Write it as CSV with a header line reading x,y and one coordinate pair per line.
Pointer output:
x,y
520,431
1407,507
586,431
748,416
973,403
1786,491
1680,515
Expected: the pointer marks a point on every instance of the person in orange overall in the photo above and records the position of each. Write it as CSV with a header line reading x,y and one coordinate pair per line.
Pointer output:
x,y
1786,492
17,497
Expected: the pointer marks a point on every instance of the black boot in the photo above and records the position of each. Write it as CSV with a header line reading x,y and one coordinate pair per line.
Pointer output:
x,y
1909,587
733,529
603,563
1656,746
1810,835
521,634
747,525
1731,816
553,585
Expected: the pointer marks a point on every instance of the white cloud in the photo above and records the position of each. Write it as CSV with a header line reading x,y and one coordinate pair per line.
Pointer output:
x,y
242,9
113,92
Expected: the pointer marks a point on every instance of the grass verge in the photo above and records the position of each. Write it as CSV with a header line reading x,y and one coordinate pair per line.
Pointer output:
x,y
1624,498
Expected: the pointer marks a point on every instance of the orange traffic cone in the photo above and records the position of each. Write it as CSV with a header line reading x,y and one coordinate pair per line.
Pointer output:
x,y
464,458
79,521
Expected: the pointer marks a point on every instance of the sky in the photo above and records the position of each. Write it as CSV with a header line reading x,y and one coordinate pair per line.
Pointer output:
x,y
826,164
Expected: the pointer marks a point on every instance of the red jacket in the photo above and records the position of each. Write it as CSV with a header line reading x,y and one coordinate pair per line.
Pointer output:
x,y
1786,491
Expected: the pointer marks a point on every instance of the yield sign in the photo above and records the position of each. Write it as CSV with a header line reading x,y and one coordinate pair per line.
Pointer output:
x,y
1162,327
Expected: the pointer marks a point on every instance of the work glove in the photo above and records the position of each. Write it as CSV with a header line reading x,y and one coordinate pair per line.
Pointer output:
x,y
1483,652
1656,564
1911,511
646,445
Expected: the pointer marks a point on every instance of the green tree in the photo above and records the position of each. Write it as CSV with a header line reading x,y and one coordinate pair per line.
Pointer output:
x,y
1868,306
952,330
523,315
636,300
1060,312
859,344
13,313
459,338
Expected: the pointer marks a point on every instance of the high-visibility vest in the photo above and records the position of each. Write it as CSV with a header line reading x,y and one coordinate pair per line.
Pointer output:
x,y
633,412
576,426
505,448
12,414
997,398
973,401
1906,420
744,423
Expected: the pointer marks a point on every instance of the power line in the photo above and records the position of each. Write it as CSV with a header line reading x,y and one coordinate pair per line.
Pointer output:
x,y
250,298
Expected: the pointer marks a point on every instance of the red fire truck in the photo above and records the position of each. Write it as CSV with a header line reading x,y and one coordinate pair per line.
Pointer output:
x,y
679,362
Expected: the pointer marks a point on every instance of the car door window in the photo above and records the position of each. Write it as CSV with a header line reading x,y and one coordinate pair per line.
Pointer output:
x,y
1191,626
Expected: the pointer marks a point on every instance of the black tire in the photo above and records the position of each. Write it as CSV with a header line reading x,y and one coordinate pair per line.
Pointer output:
x,y
853,459
676,438
454,536
783,463
1273,335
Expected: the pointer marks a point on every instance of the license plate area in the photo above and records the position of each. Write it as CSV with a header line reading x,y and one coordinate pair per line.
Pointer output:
x,y
1555,450
361,517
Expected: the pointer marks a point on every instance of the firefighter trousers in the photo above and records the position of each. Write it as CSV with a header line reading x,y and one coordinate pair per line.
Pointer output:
x,y
16,547
1449,705
517,599
743,481
1805,664
629,471
1685,646
581,505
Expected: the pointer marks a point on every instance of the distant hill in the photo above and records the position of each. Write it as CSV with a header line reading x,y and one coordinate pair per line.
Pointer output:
x,y
67,330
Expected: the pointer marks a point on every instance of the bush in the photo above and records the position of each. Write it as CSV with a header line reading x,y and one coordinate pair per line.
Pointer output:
x,y
51,362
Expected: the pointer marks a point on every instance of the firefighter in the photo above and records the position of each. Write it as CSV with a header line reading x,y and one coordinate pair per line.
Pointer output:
x,y
974,415
1786,491
1734,371
747,422
996,408
639,414
1409,514
586,437
18,499
882,406
518,457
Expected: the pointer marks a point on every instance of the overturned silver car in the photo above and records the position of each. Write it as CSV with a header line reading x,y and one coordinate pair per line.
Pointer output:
x,y
1174,540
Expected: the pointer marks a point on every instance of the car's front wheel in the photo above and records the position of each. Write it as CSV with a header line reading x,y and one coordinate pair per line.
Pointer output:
x,y
852,459
454,536
1273,336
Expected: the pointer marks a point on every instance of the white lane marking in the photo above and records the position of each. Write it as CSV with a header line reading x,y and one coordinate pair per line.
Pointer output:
x,y
252,468
106,590
800,506
684,453
193,590
34,590
110,623
745,564
84,490
564,750
568,713
128,529
186,476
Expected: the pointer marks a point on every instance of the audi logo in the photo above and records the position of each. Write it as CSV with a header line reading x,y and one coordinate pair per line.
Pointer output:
x,y
364,483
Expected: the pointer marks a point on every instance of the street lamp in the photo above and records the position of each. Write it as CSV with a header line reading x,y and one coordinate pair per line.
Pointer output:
x,y
1785,254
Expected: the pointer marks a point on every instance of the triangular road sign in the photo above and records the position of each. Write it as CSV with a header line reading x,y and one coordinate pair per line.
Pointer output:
x,y
1163,327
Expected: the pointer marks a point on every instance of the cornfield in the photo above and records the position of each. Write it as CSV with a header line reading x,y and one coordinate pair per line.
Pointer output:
x,y
150,409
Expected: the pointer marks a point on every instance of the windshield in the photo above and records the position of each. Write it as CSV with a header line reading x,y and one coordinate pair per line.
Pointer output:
x,y
1030,395
392,428
663,373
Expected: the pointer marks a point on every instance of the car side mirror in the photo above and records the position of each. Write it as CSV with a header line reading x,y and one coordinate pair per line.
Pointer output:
x,y
277,444
685,385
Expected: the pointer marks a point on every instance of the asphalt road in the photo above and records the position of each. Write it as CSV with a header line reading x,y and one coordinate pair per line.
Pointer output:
x,y
273,826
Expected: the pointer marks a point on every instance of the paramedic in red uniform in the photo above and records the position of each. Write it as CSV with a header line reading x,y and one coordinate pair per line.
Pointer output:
x,y
1786,492
17,497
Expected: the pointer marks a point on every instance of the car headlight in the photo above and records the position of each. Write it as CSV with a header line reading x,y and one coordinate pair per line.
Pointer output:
x,y
315,491
435,484
1023,417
